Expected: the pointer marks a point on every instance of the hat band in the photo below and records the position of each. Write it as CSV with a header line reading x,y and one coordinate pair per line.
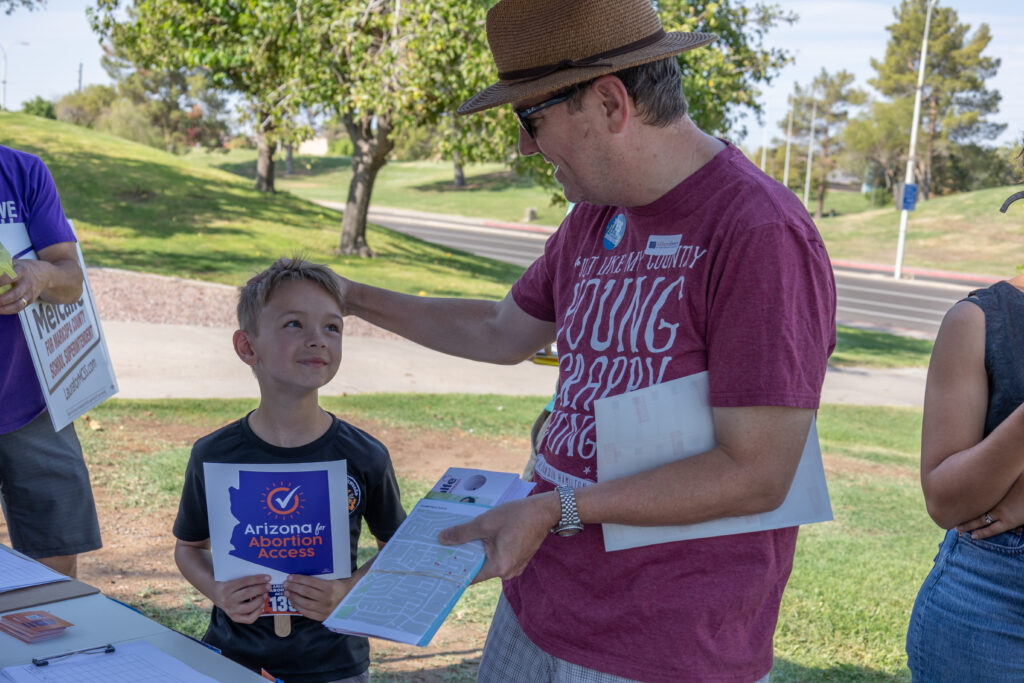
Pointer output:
x,y
547,69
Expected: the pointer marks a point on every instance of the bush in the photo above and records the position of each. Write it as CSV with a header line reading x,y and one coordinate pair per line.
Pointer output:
x,y
339,147
240,142
37,106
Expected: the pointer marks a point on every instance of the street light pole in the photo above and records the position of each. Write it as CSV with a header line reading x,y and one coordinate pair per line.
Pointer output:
x,y
3,76
789,137
908,179
3,79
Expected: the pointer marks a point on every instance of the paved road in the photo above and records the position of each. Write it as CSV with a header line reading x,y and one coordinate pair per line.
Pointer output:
x,y
907,307
867,296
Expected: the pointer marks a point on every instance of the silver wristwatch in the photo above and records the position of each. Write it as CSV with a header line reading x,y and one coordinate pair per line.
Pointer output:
x,y
570,523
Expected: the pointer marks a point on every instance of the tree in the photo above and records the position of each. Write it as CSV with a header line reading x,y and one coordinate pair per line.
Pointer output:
x,y
383,68
829,97
37,106
85,107
876,142
955,101
10,5
246,46
722,79
173,110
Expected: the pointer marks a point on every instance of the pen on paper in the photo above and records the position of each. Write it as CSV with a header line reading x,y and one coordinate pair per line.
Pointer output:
x,y
99,649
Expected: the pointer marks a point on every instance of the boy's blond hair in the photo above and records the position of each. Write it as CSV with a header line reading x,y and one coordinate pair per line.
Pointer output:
x,y
258,290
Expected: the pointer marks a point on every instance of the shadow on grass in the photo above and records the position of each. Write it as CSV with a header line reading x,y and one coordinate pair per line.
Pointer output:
x,y
304,166
147,202
488,182
786,671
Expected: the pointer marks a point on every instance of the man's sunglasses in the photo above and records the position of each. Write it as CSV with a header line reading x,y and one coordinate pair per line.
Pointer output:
x,y
524,114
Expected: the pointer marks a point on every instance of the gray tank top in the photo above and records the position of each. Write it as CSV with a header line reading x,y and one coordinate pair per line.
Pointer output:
x,y
1003,305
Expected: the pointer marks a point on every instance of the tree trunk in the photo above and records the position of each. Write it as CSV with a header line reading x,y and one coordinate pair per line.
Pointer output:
x,y
460,176
289,163
264,157
371,144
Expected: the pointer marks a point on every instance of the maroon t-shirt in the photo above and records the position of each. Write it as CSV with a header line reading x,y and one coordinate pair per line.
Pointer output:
x,y
725,273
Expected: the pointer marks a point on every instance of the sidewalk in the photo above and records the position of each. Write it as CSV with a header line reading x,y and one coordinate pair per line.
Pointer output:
x,y
188,361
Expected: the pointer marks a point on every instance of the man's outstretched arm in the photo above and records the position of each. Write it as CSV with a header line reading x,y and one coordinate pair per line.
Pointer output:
x,y
490,331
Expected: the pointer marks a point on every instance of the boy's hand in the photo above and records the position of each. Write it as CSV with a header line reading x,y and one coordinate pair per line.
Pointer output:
x,y
316,598
242,599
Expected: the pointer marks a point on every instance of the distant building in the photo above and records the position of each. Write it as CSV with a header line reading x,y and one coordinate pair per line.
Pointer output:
x,y
314,147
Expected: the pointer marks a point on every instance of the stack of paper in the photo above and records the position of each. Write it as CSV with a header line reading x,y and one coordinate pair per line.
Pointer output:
x,y
31,627
415,581
19,572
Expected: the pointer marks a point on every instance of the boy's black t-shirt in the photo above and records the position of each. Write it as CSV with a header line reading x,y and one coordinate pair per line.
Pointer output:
x,y
311,652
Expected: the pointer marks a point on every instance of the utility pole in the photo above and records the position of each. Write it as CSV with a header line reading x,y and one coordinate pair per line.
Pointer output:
x,y
789,138
908,179
810,155
79,77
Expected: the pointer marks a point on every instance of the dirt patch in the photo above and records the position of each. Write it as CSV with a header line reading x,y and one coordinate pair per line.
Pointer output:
x,y
136,563
840,465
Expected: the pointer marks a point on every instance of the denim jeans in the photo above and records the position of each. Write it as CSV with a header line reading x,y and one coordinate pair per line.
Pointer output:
x,y
968,619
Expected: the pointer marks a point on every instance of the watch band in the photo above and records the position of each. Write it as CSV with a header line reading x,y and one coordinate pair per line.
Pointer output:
x,y
570,523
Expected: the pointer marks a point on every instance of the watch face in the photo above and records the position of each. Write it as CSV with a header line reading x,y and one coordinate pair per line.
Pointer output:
x,y
569,531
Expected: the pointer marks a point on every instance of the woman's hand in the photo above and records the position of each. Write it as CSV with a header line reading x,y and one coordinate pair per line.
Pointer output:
x,y
1007,514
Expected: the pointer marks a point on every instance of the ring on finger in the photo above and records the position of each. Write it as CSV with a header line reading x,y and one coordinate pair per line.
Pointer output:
x,y
988,518
24,302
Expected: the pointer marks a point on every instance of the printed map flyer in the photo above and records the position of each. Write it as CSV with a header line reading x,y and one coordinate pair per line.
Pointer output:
x,y
278,520
66,342
415,581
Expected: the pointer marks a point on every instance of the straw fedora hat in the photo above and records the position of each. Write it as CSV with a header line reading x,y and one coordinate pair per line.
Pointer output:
x,y
542,46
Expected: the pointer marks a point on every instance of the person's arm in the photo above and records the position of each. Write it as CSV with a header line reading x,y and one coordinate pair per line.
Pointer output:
x,y
55,277
963,476
241,599
316,598
491,331
749,471
1005,515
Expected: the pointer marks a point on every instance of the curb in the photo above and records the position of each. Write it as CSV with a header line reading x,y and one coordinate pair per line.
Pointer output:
x,y
923,273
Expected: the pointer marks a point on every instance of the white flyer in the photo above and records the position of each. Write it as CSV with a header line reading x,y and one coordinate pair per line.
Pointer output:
x,y
643,429
66,342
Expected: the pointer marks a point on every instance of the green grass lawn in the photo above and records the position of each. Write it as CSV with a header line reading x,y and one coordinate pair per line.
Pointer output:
x,y
844,613
964,233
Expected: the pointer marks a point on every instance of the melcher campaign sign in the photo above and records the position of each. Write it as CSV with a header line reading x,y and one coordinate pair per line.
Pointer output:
x,y
67,345
278,520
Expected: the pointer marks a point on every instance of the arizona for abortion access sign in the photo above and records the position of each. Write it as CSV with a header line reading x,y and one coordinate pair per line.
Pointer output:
x,y
66,342
278,520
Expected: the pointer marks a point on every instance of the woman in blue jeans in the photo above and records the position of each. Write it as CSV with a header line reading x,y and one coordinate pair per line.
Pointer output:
x,y
968,619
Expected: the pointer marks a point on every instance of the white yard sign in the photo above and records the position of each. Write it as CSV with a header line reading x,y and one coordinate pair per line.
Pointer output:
x,y
67,344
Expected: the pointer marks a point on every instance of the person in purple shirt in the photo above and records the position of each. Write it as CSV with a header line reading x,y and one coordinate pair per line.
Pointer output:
x,y
44,484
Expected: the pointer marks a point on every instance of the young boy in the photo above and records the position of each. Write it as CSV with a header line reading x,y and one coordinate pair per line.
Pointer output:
x,y
291,322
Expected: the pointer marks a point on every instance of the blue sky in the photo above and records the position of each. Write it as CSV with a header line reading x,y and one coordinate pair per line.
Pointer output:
x,y
835,34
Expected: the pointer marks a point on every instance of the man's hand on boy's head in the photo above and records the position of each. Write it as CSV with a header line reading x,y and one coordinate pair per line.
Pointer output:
x,y
242,599
316,598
